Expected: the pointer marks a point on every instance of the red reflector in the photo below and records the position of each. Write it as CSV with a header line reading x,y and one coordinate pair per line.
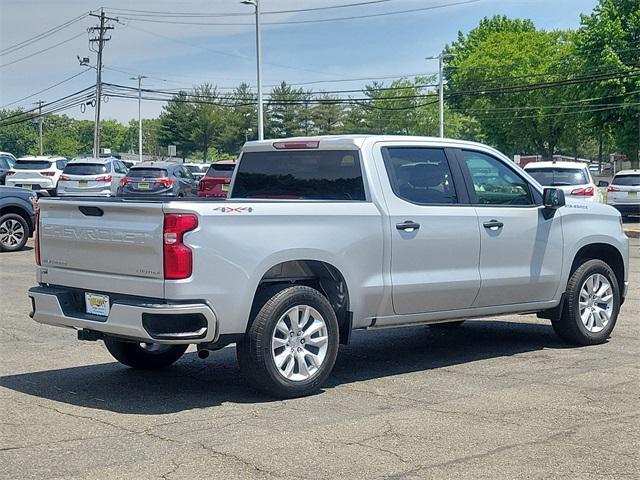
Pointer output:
x,y
611,188
583,192
296,145
48,174
37,235
63,178
178,258
104,178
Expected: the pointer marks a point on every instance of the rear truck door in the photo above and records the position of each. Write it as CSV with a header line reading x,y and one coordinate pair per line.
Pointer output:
x,y
97,245
522,251
435,242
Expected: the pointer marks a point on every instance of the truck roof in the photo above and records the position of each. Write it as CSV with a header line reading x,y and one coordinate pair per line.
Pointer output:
x,y
357,140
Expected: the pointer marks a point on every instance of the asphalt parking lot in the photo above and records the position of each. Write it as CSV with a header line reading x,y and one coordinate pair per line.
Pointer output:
x,y
495,398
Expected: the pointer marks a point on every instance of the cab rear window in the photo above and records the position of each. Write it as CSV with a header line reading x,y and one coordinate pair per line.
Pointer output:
x,y
307,175
85,169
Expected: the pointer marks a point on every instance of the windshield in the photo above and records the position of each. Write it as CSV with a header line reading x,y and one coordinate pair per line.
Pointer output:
x,y
85,169
32,165
194,168
147,173
308,174
627,180
558,177
224,170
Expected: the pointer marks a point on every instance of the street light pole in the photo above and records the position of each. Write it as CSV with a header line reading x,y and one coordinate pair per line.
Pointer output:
x,y
256,5
440,58
139,78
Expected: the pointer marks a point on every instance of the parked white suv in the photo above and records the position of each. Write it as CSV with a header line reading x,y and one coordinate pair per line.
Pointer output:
x,y
39,174
320,237
573,178
624,192
91,177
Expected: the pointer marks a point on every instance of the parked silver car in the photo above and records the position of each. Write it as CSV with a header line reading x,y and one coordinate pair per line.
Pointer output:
x,y
91,177
624,192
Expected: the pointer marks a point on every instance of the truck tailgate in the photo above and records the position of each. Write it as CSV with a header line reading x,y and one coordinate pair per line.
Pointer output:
x,y
98,244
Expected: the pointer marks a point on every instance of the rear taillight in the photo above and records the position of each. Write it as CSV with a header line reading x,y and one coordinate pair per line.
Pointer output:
x,y
11,172
63,178
37,234
611,188
125,181
178,258
583,192
104,178
48,174
205,184
166,182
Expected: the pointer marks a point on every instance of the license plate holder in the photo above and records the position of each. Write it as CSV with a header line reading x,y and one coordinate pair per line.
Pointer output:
x,y
143,186
632,194
225,187
83,183
27,186
96,304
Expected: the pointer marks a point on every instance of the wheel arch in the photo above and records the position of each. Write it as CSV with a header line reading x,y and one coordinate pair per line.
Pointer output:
x,y
318,274
18,210
601,251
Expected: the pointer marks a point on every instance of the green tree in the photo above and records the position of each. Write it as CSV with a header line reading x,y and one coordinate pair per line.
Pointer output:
x,y
17,138
608,41
241,121
288,112
327,117
208,119
176,124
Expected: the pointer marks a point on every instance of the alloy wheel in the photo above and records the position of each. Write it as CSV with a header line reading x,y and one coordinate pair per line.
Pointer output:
x,y
596,302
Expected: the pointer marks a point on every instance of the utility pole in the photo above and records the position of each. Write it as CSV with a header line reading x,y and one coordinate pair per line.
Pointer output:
x,y
440,58
139,78
100,39
256,5
39,103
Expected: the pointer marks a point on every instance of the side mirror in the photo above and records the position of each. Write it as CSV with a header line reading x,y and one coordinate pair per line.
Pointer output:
x,y
603,184
553,198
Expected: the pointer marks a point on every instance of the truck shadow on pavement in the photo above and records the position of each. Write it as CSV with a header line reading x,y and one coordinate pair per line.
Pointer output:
x,y
193,383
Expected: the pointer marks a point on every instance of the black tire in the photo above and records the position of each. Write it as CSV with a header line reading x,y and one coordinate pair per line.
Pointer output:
x,y
447,325
568,324
254,352
135,356
10,241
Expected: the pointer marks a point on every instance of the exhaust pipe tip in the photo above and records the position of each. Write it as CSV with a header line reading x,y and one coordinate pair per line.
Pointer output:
x,y
203,353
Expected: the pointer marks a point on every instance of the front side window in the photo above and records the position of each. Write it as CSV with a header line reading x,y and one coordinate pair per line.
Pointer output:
x,y
300,174
494,183
420,175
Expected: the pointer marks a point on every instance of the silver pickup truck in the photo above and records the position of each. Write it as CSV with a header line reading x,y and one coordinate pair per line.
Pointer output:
x,y
322,236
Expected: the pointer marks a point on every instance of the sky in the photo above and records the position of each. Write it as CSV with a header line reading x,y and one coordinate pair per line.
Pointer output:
x,y
336,54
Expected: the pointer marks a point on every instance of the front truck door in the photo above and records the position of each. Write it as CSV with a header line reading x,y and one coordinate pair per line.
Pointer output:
x,y
435,241
521,250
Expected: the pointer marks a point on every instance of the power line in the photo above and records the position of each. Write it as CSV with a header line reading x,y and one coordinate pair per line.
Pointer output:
x,y
301,22
43,50
42,35
46,89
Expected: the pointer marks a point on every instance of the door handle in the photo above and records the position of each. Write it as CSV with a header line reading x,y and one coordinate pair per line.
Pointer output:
x,y
408,225
493,224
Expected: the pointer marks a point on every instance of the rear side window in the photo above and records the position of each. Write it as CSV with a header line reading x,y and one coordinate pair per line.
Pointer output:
x,y
147,173
626,180
4,163
558,177
494,183
32,165
311,175
420,175
85,169
60,164
221,171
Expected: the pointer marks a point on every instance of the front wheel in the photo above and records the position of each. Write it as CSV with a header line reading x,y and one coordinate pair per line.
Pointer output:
x,y
144,356
292,344
592,303
14,232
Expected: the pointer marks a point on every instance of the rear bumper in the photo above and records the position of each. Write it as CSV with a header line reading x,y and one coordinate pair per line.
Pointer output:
x,y
62,192
141,319
37,185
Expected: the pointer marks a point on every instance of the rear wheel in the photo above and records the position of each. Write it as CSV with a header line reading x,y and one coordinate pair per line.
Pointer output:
x,y
592,303
292,344
144,356
14,232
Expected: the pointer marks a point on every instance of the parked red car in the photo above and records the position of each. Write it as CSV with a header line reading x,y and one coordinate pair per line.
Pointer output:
x,y
215,182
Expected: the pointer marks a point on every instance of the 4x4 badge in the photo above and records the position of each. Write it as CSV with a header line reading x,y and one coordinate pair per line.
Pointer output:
x,y
234,209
